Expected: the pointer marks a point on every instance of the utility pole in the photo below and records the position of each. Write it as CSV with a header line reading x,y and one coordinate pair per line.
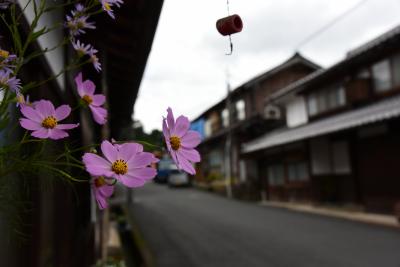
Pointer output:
x,y
228,142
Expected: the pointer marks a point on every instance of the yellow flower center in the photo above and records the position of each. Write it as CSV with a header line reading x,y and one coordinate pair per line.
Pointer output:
x,y
175,142
4,54
107,6
88,100
119,167
100,181
50,122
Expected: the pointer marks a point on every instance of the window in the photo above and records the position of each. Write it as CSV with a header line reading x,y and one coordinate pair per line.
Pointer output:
x,y
336,98
330,157
363,74
297,172
325,100
312,104
240,110
381,76
207,128
276,175
396,70
215,158
225,118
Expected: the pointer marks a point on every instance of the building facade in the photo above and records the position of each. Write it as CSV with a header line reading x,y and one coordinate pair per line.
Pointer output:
x,y
340,143
243,115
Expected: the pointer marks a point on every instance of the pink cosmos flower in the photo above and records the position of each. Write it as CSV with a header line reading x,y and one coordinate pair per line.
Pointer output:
x,y
125,162
86,92
42,119
181,141
101,190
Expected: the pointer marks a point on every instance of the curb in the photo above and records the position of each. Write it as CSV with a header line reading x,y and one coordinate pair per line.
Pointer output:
x,y
144,250
367,218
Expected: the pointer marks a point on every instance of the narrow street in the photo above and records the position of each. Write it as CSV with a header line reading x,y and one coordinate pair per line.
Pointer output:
x,y
186,227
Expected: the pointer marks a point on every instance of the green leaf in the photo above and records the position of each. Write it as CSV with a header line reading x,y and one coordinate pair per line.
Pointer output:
x,y
38,33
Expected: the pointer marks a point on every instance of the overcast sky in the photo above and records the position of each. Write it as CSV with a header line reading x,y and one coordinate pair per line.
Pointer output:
x,y
187,66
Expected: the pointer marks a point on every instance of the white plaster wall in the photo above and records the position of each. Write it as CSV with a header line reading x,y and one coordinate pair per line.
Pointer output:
x,y
296,112
51,39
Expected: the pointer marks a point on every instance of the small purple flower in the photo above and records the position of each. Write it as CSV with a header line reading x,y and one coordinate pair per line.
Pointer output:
x,y
77,22
79,10
42,118
101,190
7,60
7,81
22,101
125,162
108,4
181,141
81,48
86,92
94,59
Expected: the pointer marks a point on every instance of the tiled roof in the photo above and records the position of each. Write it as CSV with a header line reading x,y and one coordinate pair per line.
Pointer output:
x,y
297,58
387,37
383,110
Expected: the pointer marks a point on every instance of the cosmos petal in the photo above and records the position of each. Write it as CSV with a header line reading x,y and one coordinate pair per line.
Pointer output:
x,y
146,173
56,134
165,130
78,81
97,165
30,124
191,139
185,165
99,114
42,133
101,200
181,127
141,160
109,151
131,181
67,126
129,150
62,112
189,154
88,88
31,113
106,190
98,100
45,107
170,118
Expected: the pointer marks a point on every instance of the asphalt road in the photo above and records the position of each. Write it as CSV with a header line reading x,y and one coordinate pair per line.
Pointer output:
x,y
186,227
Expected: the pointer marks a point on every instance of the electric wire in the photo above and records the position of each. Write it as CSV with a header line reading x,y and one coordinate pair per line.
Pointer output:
x,y
330,24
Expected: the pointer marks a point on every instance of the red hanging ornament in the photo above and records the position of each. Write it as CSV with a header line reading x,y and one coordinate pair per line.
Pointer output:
x,y
229,25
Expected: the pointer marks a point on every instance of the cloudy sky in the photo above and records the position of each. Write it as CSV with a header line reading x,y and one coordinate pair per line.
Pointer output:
x,y
187,66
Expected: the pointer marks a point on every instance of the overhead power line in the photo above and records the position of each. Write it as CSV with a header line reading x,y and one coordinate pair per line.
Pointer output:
x,y
330,24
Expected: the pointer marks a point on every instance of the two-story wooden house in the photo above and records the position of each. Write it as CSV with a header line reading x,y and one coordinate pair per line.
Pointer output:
x,y
240,117
341,140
